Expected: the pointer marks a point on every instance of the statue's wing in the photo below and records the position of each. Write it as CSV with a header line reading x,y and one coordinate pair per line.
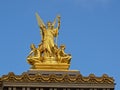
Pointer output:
x,y
39,20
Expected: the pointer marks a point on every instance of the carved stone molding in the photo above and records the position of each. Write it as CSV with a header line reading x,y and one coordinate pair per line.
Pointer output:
x,y
56,78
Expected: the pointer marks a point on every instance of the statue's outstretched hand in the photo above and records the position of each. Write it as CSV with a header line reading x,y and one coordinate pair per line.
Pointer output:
x,y
58,17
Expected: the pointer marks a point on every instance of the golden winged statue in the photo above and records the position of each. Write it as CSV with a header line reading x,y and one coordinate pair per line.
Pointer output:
x,y
48,53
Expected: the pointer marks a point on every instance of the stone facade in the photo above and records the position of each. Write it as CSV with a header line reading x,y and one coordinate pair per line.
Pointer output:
x,y
55,80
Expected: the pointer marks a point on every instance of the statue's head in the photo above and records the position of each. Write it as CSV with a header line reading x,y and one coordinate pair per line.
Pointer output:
x,y
62,46
52,26
32,46
49,24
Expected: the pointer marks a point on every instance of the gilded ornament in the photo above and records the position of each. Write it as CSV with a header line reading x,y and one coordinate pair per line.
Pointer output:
x,y
48,56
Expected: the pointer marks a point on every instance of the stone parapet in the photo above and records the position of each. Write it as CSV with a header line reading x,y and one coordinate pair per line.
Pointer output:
x,y
57,79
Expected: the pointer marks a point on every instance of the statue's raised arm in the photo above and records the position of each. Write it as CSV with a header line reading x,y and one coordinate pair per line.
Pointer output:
x,y
58,17
54,22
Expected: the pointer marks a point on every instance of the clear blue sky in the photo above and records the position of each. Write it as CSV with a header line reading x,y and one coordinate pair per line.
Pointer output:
x,y
90,29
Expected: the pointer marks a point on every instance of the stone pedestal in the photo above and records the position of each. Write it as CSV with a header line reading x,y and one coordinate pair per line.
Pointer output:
x,y
50,72
50,66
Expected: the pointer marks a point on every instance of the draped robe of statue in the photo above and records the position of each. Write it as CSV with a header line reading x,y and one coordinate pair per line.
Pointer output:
x,y
48,39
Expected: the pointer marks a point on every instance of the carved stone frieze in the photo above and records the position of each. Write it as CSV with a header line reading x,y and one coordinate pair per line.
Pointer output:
x,y
56,78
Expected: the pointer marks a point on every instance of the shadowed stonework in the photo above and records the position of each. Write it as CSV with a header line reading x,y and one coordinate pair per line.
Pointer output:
x,y
59,80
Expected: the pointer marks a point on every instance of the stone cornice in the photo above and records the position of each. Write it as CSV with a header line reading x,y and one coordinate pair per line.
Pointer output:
x,y
56,78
